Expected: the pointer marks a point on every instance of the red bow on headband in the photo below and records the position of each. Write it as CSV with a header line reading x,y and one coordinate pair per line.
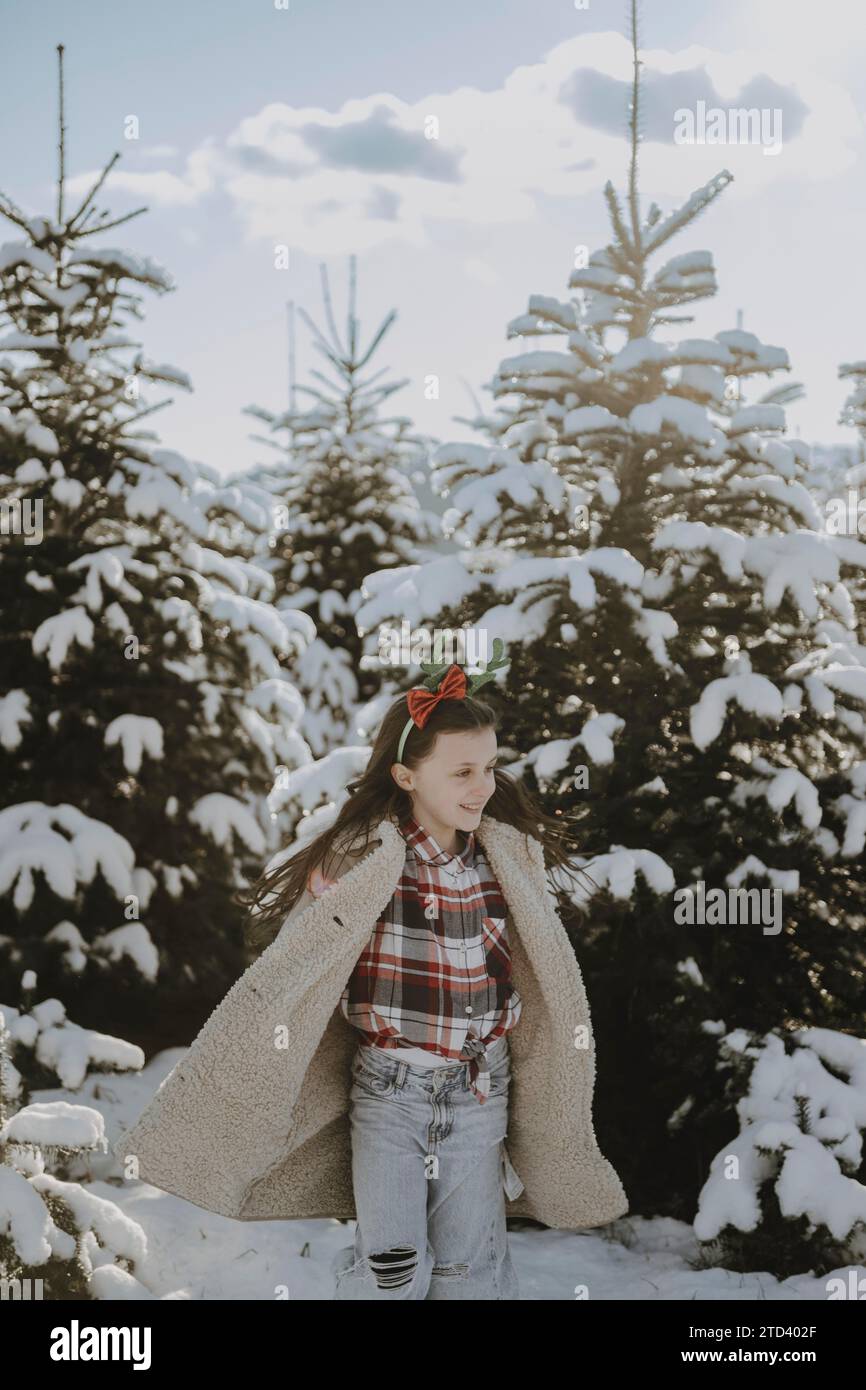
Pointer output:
x,y
422,702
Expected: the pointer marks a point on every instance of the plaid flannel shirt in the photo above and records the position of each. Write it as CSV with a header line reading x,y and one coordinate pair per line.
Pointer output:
x,y
436,972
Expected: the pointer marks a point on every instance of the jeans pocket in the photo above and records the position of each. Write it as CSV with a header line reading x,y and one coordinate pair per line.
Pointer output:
x,y
500,1076
369,1078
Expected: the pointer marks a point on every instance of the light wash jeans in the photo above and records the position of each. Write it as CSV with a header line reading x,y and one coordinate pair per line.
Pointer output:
x,y
429,1170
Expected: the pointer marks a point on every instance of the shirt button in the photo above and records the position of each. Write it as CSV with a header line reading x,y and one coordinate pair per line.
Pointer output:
x,y
468,1010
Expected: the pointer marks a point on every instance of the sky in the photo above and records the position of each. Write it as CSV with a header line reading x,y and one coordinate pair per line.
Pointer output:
x,y
268,138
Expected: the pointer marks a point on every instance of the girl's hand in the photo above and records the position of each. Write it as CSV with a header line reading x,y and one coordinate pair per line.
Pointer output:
x,y
318,884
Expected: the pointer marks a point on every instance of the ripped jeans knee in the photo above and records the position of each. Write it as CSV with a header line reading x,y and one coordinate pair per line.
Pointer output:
x,y
452,1271
394,1271
394,1268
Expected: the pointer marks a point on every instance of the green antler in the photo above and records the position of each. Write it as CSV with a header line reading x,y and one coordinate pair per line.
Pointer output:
x,y
496,663
435,669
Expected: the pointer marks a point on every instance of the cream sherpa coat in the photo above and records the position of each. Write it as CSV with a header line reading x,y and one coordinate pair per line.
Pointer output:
x,y
253,1121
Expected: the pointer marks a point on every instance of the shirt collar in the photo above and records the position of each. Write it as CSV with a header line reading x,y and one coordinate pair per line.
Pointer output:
x,y
425,847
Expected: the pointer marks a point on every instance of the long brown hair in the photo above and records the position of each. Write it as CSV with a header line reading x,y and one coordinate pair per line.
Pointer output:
x,y
375,795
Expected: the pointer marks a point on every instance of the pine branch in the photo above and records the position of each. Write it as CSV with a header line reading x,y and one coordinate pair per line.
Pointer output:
x,y
322,342
290,328
381,393
329,313
263,439
11,210
317,395
472,396
378,338
783,394
634,134
106,226
363,385
332,386
259,413
353,322
148,410
62,140
694,205
617,220
95,189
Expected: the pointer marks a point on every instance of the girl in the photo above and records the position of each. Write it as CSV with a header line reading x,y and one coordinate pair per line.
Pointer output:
x,y
432,999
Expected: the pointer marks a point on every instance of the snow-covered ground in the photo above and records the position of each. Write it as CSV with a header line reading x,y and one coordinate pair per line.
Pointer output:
x,y
192,1254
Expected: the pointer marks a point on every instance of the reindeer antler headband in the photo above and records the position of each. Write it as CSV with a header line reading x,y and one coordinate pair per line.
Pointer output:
x,y
446,681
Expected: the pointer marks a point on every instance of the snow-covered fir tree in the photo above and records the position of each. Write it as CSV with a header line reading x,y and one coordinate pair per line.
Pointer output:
x,y
854,408
58,1238
343,506
145,702
797,1104
839,475
685,678
830,476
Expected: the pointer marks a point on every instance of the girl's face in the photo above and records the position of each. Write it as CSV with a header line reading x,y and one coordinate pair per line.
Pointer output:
x,y
451,787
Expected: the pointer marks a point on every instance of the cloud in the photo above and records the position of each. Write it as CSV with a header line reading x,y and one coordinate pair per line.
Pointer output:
x,y
159,151
602,102
379,168
160,187
383,204
378,145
